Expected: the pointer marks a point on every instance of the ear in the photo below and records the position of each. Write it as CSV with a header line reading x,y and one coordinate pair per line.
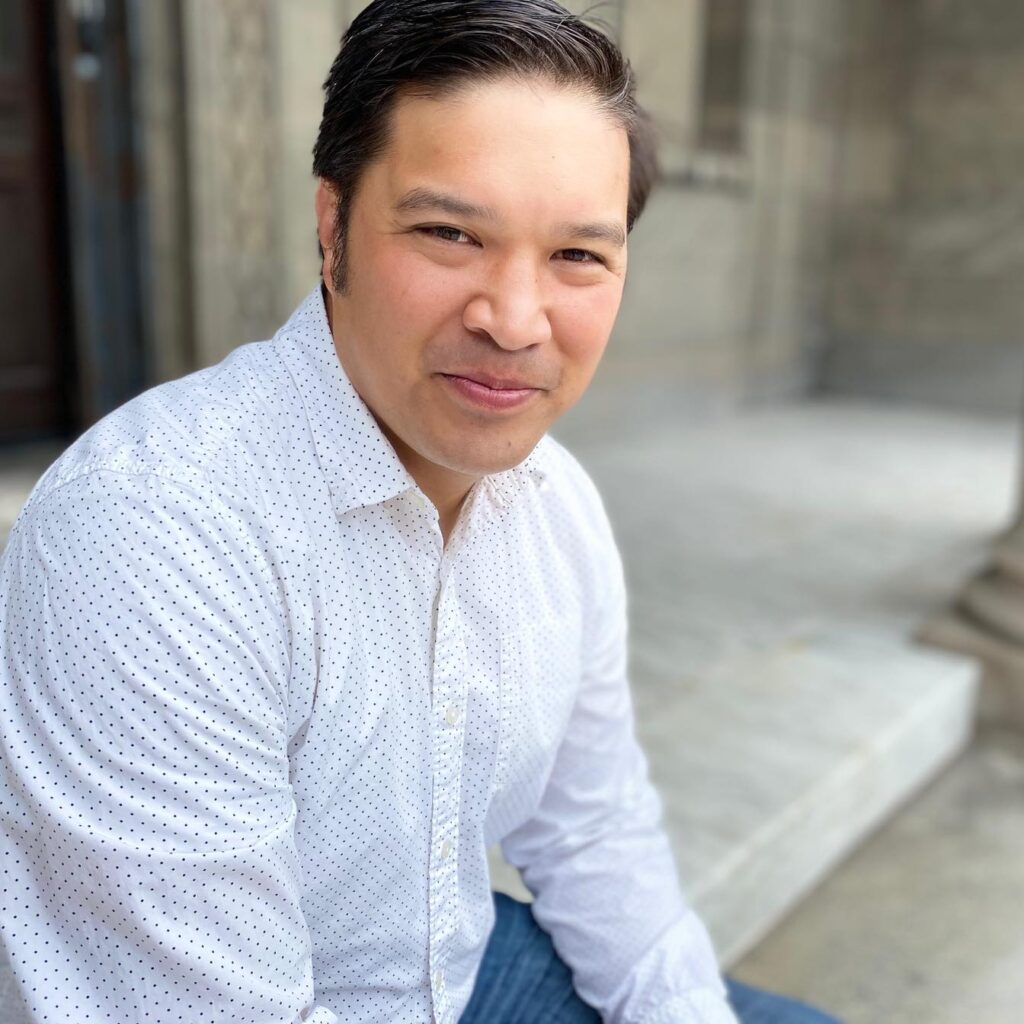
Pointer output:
x,y
326,206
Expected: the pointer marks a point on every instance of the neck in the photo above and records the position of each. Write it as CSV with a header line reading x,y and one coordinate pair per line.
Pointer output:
x,y
445,488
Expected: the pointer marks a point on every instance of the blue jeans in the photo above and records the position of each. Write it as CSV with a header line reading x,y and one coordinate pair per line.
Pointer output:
x,y
523,981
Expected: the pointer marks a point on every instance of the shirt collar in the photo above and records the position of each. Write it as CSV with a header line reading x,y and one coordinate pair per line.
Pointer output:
x,y
360,463
506,486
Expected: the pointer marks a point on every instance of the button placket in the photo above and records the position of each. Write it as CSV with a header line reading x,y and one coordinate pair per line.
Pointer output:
x,y
447,740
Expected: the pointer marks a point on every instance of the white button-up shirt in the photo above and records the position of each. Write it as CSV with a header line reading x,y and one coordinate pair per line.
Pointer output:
x,y
260,724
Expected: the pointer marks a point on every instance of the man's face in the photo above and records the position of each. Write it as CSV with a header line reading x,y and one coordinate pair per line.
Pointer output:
x,y
486,260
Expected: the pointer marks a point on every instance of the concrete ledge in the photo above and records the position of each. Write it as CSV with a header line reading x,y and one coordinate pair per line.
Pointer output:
x,y
763,797
893,744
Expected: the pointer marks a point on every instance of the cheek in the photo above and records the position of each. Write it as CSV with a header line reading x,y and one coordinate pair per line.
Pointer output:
x,y
583,325
414,293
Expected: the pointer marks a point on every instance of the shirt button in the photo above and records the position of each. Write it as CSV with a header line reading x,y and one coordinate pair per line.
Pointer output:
x,y
451,716
446,849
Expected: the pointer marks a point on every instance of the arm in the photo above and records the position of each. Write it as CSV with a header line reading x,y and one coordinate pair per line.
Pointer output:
x,y
597,861
146,816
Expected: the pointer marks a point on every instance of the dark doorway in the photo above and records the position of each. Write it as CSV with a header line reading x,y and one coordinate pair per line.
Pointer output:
x,y
35,345
71,346
104,201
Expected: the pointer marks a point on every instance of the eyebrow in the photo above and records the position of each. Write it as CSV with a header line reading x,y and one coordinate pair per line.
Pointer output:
x,y
600,231
430,199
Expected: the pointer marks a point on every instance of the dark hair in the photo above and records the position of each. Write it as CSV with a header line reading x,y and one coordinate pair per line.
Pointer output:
x,y
432,47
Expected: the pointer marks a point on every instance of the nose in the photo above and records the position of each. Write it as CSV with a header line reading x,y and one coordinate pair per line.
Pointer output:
x,y
510,307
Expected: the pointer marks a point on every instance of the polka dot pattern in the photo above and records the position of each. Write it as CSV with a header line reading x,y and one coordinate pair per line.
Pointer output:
x,y
260,724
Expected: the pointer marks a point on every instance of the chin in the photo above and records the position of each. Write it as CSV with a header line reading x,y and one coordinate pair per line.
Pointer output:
x,y
487,459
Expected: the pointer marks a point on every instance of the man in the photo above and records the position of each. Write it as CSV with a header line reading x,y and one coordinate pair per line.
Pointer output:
x,y
290,642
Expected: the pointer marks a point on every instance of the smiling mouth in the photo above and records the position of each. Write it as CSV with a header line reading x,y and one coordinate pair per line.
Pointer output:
x,y
492,395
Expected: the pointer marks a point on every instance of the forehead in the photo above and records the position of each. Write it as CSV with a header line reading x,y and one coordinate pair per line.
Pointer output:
x,y
525,146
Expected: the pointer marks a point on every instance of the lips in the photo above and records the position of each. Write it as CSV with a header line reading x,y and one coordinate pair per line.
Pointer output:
x,y
495,383
491,394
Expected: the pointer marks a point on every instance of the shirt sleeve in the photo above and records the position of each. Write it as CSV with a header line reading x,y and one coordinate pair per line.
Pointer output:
x,y
146,815
594,855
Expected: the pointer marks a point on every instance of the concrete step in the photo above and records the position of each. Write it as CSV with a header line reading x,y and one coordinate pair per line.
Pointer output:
x,y
923,923
829,741
780,764
780,565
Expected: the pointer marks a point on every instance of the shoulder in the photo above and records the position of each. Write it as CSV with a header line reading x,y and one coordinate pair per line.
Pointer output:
x,y
570,516
570,493
205,431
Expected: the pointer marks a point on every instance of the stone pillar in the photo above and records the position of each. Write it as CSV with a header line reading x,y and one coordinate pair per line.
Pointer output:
x,y
350,8
664,40
987,622
930,306
234,172
795,78
308,37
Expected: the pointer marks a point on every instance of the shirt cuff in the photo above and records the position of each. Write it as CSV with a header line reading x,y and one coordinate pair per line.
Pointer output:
x,y
701,1006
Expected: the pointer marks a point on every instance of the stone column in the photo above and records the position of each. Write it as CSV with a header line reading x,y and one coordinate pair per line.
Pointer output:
x,y
308,36
234,172
664,40
987,622
794,94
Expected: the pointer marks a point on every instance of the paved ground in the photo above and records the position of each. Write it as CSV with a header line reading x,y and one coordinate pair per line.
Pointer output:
x,y
925,923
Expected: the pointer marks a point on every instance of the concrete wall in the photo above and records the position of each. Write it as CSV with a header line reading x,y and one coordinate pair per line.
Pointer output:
x,y
926,301
725,304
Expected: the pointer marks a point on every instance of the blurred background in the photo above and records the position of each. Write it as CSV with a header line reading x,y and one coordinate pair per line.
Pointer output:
x,y
806,427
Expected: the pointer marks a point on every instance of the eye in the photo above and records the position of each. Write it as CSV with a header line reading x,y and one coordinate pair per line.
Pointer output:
x,y
580,256
445,233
